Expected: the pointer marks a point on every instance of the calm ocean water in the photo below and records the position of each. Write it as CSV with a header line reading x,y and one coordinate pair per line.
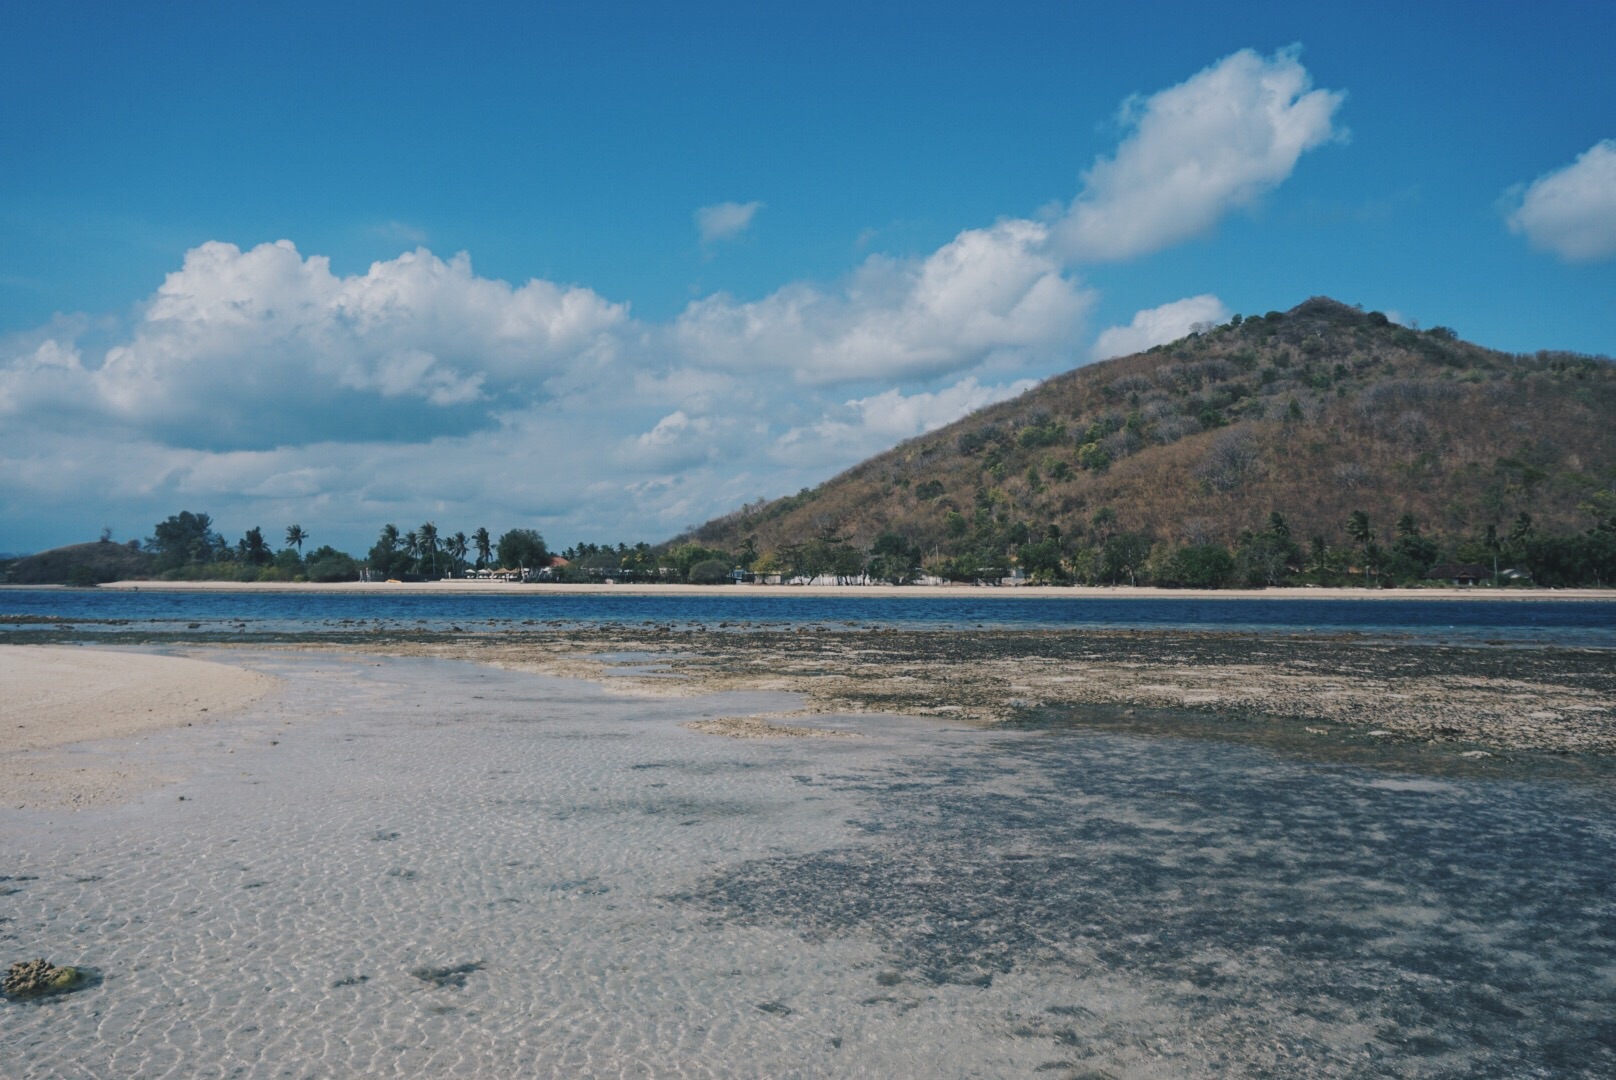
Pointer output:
x,y
1582,623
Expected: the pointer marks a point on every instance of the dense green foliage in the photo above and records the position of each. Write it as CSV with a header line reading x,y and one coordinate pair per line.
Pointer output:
x,y
522,548
185,547
709,572
186,538
1198,566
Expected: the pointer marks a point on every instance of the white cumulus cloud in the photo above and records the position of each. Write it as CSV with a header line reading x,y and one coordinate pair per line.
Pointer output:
x,y
1214,142
1158,325
680,440
725,220
986,293
896,415
260,386
263,346
1572,211
868,425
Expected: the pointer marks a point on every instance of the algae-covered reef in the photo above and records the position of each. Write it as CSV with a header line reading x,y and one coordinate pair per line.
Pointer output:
x,y
1545,699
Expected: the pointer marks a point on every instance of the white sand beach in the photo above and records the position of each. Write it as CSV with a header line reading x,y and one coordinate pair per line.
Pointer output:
x,y
1013,592
60,697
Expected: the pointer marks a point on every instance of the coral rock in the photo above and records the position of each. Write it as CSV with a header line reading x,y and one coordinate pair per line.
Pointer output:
x,y
32,978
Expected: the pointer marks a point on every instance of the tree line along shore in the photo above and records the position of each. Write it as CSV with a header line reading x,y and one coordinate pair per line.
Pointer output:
x,y
186,547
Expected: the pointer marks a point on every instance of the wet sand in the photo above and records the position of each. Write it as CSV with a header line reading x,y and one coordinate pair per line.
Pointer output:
x,y
1468,696
414,867
67,715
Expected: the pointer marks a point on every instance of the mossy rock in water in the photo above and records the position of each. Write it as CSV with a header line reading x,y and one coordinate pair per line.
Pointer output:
x,y
36,978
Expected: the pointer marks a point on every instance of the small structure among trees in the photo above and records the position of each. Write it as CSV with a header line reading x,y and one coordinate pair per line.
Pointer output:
x,y
1459,573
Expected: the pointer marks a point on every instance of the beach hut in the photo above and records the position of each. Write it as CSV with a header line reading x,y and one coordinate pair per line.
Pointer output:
x,y
1459,573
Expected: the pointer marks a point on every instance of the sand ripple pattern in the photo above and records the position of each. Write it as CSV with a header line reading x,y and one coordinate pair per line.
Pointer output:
x,y
437,869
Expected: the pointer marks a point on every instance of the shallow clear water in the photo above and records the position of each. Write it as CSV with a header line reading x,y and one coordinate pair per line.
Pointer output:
x,y
442,869
1587,622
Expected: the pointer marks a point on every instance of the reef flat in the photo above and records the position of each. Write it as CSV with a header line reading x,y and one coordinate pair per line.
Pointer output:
x,y
1472,698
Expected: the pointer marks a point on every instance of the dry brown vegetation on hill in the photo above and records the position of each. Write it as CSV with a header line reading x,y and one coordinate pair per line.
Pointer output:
x,y
1315,413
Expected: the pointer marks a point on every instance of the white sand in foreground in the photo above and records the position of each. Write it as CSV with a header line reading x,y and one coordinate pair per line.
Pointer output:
x,y
56,697
1008,592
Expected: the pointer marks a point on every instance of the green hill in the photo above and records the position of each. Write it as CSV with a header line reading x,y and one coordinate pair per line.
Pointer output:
x,y
1314,414
81,564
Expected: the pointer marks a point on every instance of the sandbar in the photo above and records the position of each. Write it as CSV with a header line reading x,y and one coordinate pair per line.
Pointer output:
x,y
59,697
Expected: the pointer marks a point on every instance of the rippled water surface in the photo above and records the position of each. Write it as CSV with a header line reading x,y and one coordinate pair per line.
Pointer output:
x,y
1581,622
433,869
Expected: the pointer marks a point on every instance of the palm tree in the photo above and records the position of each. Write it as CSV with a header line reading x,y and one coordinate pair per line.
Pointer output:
x,y
412,548
1321,553
458,546
382,554
485,547
295,537
1372,555
429,544
1522,529
1362,534
1278,525
253,548
1491,541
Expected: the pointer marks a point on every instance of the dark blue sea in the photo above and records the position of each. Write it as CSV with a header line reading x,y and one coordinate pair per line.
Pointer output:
x,y
1586,623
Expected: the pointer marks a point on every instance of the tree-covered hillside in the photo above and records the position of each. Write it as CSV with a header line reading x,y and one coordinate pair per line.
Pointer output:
x,y
1291,426
81,564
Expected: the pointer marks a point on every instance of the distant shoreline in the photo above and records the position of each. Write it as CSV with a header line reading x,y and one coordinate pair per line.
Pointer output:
x,y
1006,592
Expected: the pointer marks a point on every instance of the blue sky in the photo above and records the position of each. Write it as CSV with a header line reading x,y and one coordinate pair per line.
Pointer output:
x,y
606,271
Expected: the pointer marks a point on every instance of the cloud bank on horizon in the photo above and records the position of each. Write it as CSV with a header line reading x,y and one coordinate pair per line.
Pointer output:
x,y
260,386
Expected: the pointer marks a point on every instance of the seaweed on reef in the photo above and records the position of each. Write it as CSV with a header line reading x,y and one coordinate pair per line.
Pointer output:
x,y
449,977
1236,885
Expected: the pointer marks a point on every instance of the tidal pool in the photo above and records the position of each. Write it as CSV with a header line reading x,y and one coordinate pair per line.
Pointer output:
x,y
424,868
